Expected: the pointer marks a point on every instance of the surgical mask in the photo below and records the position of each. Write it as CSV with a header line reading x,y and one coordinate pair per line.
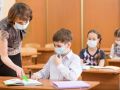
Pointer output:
x,y
117,42
92,43
61,50
18,26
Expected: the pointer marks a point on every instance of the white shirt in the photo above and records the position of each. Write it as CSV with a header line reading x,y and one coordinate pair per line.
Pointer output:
x,y
70,69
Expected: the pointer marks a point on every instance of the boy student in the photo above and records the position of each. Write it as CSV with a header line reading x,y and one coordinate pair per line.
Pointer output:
x,y
64,64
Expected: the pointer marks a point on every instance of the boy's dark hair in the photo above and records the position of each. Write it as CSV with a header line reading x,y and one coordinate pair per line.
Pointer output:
x,y
117,32
20,10
63,35
98,35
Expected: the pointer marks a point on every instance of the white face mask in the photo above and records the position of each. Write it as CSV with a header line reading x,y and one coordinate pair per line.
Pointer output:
x,y
92,43
61,50
18,26
117,42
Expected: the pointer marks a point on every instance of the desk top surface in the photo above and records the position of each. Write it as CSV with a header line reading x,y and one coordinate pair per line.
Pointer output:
x,y
46,49
104,71
36,66
113,60
47,85
91,70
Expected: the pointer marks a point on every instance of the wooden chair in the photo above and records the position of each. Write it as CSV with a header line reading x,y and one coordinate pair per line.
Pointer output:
x,y
33,45
49,45
27,56
36,46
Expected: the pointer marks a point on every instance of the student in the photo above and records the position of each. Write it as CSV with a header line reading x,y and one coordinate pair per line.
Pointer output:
x,y
92,55
64,64
115,49
12,30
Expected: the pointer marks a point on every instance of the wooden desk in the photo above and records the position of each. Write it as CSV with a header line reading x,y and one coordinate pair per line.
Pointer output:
x,y
46,53
113,62
34,68
47,85
106,50
27,56
109,79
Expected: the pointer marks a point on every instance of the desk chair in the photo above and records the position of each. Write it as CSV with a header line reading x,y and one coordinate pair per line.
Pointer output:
x,y
36,46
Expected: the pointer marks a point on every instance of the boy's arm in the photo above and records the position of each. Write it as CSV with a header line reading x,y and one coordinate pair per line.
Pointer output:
x,y
72,72
43,73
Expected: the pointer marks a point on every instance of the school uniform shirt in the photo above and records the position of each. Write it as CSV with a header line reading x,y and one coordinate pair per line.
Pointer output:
x,y
69,69
89,59
115,51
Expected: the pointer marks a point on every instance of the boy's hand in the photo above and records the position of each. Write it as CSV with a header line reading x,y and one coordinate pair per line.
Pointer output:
x,y
35,76
58,60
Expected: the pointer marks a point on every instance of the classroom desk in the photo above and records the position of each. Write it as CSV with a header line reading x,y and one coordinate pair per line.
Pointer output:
x,y
46,53
47,85
27,56
106,50
34,68
113,62
109,79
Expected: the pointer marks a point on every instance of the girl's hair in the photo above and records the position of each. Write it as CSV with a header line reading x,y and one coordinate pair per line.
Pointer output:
x,y
98,35
20,10
117,33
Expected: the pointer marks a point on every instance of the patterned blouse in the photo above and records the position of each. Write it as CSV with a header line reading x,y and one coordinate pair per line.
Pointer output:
x,y
89,59
14,37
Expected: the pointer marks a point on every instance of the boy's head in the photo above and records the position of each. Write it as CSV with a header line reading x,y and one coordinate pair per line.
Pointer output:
x,y
117,36
62,41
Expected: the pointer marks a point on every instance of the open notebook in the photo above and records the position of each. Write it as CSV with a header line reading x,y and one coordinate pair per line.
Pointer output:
x,y
70,84
99,67
19,82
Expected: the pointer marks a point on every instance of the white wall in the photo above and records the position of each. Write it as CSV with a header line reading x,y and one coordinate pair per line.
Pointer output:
x,y
5,6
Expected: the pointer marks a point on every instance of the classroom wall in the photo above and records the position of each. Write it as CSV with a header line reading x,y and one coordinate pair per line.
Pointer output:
x,y
4,7
36,32
104,16
50,15
61,14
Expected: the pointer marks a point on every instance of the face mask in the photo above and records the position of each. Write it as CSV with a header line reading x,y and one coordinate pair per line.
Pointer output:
x,y
117,42
92,43
61,50
18,26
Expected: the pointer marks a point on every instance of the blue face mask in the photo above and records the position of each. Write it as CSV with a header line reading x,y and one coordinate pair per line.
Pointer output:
x,y
18,26
62,50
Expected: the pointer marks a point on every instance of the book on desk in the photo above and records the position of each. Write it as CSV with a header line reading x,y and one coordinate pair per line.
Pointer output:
x,y
70,84
19,82
99,67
